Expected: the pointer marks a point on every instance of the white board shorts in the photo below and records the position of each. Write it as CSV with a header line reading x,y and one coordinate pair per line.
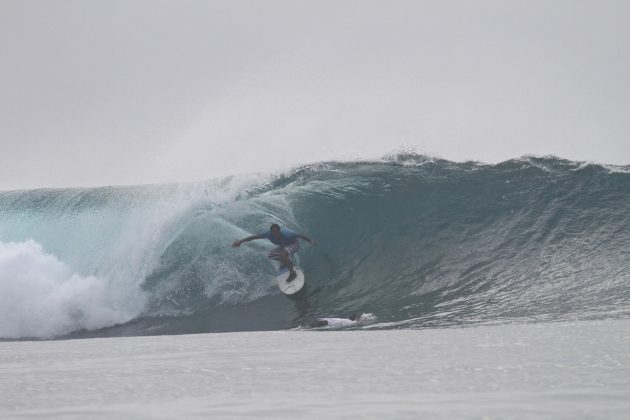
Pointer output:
x,y
276,253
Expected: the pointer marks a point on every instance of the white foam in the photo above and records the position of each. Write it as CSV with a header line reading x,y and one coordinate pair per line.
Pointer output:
x,y
41,296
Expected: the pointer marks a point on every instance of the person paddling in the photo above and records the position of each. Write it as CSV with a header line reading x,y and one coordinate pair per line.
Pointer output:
x,y
352,320
287,245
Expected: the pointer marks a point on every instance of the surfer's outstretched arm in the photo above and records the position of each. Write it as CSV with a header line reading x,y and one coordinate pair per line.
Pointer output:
x,y
307,239
238,243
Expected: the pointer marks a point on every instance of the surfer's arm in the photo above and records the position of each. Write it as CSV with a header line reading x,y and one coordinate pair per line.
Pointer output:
x,y
238,243
307,239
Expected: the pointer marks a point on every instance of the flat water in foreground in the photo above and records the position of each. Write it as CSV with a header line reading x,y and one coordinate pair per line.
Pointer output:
x,y
567,370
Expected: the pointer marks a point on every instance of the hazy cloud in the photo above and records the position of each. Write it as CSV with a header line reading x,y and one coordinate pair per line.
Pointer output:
x,y
124,92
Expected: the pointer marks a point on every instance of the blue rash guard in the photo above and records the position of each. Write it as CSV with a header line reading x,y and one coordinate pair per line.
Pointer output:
x,y
287,237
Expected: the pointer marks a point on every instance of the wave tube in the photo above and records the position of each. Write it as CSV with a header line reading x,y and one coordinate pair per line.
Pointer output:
x,y
417,241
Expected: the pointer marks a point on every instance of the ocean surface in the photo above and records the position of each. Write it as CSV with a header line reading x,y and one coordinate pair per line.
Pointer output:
x,y
549,370
488,291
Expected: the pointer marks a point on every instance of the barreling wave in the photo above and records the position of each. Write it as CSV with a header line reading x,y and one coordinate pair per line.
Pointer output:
x,y
419,242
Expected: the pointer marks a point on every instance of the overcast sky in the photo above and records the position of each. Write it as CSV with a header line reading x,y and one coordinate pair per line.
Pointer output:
x,y
127,92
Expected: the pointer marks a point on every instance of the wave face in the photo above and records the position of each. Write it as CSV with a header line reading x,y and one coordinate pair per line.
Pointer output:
x,y
418,242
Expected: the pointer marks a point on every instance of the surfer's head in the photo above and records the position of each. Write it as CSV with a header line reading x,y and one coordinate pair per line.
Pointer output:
x,y
275,230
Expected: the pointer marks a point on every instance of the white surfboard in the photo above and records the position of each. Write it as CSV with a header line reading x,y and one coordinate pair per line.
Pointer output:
x,y
293,286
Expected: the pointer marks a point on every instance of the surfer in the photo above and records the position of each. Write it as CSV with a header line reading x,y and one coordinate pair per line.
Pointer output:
x,y
337,322
286,242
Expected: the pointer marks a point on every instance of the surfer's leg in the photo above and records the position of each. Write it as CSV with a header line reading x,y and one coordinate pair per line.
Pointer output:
x,y
288,252
277,254
285,259
283,256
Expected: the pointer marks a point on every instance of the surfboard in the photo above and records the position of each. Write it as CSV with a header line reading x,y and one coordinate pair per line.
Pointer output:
x,y
292,287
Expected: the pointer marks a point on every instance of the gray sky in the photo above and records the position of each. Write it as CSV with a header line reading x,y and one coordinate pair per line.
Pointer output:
x,y
127,92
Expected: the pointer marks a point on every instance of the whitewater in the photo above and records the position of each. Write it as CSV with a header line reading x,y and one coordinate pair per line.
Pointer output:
x,y
490,288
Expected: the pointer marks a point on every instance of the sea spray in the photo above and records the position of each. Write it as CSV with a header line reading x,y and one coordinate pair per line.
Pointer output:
x,y
40,296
